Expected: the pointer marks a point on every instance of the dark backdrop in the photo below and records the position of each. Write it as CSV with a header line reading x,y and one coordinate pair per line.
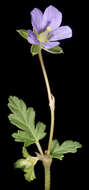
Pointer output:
x,y
68,79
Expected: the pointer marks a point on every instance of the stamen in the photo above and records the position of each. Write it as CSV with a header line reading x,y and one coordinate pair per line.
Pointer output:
x,y
43,36
48,28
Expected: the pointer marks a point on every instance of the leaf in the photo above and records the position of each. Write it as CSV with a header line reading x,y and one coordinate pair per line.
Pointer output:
x,y
24,119
27,165
30,174
24,152
35,49
55,150
23,33
54,50
58,151
25,137
40,128
69,147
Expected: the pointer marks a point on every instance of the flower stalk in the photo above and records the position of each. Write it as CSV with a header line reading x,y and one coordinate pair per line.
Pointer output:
x,y
52,109
51,102
45,76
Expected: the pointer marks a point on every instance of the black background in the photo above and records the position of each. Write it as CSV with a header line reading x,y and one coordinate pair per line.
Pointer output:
x,y
68,78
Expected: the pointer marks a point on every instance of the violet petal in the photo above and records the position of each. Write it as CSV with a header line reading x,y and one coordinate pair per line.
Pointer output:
x,y
36,19
49,45
32,39
52,17
61,33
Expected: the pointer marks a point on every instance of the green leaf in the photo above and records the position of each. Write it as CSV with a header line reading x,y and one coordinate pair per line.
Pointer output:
x,y
55,150
27,165
40,128
69,147
25,137
23,33
58,151
24,119
35,49
30,174
54,50
25,152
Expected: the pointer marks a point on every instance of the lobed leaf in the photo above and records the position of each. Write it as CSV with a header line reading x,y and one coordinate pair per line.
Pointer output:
x,y
40,128
29,174
25,152
69,147
27,165
24,119
23,136
58,151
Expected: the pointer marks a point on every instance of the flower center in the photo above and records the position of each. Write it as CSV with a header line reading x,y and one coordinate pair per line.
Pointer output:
x,y
43,36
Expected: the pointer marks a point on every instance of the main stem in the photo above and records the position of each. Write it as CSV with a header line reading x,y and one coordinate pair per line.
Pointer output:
x,y
47,176
51,102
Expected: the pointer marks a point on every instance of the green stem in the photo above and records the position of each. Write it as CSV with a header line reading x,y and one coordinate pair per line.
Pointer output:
x,y
47,161
51,101
45,75
47,165
39,148
47,178
51,129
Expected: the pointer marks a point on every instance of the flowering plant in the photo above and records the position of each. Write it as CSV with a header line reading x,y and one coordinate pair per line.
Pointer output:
x,y
46,35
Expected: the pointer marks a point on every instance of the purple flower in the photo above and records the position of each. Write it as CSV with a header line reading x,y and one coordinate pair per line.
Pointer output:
x,y
46,28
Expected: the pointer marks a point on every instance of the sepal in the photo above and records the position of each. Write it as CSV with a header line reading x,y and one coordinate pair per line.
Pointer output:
x,y
54,50
35,49
23,33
